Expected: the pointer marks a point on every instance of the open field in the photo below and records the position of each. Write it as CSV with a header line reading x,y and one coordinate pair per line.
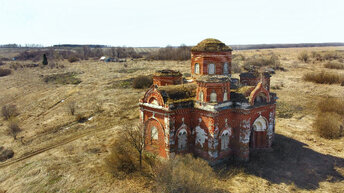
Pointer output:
x,y
60,152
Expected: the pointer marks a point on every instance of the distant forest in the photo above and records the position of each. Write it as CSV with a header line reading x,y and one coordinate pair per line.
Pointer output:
x,y
75,52
235,47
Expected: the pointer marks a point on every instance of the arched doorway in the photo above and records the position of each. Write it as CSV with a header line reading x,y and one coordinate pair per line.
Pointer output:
x,y
258,138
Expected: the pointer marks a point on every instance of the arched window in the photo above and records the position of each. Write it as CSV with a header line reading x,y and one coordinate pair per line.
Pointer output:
x,y
211,69
225,140
182,139
225,68
196,68
201,97
225,97
213,97
154,133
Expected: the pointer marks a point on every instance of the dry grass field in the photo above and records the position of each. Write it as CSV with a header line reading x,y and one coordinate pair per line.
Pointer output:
x,y
60,152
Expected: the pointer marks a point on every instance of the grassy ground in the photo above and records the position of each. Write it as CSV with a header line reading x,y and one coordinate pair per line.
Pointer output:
x,y
63,155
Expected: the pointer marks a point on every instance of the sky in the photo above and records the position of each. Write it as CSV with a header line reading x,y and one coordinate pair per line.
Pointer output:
x,y
150,23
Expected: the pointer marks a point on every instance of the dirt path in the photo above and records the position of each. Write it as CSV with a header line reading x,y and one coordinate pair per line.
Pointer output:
x,y
49,147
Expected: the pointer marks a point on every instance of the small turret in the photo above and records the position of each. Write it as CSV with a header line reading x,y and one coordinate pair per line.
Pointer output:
x,y
213,89
211,57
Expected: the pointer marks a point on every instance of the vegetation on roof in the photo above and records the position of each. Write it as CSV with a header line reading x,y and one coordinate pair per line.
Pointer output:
x,y
211,45
167,72
238,97
245,90
253,74
176,92
213,78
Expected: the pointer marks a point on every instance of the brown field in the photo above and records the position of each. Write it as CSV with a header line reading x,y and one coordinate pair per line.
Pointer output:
x,y
55,152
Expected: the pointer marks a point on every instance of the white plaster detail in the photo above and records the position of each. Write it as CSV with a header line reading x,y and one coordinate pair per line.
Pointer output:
x,y
270,131
212,107
154,106
246,123
225,98
182,139
225,139
213,154
245,136
167,120
141,115
201,136
259,124
167,129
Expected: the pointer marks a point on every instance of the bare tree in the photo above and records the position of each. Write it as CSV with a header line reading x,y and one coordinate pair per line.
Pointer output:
x,y
9,111
13,129
72,107
135,136
86,52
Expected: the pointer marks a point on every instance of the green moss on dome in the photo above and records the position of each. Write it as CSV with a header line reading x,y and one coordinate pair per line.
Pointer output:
x,y
211,45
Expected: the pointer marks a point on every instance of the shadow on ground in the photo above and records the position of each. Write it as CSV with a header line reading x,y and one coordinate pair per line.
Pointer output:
x,y
292,161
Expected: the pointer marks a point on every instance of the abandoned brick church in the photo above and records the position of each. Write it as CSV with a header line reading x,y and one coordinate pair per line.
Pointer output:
x,y
211,114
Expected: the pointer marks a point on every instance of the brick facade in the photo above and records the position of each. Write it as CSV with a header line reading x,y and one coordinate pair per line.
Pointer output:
x,y
206,117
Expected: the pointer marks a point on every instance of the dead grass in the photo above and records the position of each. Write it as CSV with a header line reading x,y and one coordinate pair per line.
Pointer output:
x,y
299,162
334,65
64,78
13,128
329,125
9,111
142,82
185,174
287,110
124,159
303,56
323,77
329,122
332,104
5,72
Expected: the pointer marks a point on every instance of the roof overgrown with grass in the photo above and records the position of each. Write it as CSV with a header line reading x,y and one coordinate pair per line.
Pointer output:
x,y
253,74
211,45
167,72
245,90
174,93
213,78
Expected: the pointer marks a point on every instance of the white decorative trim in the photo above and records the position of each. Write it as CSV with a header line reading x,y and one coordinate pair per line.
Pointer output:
x,y
260,124
154,106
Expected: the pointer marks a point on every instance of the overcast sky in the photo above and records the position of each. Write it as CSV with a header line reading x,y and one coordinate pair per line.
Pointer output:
x,y
174,22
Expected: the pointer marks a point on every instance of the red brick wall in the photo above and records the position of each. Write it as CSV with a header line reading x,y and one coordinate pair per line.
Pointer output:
x,y
205,58
218,88
254,81
209,122
158,146
167,80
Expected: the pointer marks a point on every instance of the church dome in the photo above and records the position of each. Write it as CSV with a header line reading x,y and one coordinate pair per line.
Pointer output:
x,y
211,45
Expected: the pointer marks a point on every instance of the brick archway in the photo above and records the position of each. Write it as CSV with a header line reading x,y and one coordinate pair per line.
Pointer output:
x,y
153,143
